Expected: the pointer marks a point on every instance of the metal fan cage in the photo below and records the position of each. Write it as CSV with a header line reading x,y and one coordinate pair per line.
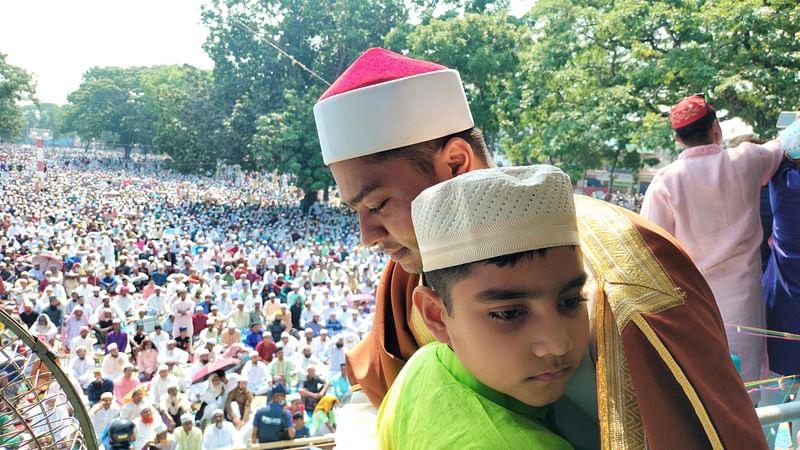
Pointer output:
x,y
39,407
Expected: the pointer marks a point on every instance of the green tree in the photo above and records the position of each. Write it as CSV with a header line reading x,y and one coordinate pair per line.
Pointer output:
x,y
272,60
600,77
44,115
111,100
16,85
484,49
179,97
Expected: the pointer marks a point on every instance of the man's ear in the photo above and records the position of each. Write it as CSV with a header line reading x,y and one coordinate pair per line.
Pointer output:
x,y
678,139
433,312
455,158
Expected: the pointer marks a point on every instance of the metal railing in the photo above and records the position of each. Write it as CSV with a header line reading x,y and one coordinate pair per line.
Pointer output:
x,y
323,442
775,414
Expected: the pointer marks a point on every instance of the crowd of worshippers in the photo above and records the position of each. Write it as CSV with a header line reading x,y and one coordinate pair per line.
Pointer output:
x,y
143,280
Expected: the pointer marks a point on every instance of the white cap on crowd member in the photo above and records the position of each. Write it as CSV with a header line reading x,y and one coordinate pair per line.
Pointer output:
x,y
385,100
493,212
186,418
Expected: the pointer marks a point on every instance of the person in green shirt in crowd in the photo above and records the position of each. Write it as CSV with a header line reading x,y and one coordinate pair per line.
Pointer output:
x,y
502,295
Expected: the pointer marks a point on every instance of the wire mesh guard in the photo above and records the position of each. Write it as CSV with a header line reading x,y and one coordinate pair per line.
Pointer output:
x,y
40,408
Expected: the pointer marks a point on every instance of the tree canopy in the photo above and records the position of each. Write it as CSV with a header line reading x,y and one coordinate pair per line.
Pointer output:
x,y
579,83
16,85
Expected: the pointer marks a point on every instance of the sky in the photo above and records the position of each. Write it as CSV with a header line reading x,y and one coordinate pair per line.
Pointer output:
x,y
58,40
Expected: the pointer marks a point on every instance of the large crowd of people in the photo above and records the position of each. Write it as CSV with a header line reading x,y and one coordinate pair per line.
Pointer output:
x,y
192,306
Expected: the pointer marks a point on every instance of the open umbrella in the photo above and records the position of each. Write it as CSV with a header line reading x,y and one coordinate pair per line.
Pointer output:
x,y
209,369
48,261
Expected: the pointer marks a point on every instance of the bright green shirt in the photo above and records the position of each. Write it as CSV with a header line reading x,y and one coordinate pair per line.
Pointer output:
x,y
436,403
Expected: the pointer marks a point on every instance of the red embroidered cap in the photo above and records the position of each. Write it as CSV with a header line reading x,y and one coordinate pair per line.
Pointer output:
x,y
385,100
689,110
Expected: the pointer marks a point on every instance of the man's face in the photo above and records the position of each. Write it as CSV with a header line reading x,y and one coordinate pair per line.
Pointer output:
x,y
81,353
218,419
187,426
382,200
523,329
106,402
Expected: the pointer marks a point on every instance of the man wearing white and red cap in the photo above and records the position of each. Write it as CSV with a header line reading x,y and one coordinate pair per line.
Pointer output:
x,y
709,200
390,127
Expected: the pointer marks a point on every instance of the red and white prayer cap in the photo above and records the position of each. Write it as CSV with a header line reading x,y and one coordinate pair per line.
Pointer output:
x,y
689,110
385,100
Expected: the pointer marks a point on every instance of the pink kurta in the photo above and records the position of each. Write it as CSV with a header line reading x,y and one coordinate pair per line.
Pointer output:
x,y
709,200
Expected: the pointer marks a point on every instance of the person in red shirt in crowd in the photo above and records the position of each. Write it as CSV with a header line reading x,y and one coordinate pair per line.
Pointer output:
x,y
199,320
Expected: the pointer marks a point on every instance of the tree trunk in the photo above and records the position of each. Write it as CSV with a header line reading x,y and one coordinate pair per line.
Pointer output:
x,y
611,171
128,149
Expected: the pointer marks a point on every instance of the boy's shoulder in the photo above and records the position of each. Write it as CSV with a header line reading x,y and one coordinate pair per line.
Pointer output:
x,y
428,407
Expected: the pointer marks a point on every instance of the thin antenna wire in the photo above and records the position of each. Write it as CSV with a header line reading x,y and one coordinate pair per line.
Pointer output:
x,y
241,25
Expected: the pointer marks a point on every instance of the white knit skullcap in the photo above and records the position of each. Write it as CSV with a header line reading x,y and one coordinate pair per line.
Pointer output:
x,y
494,212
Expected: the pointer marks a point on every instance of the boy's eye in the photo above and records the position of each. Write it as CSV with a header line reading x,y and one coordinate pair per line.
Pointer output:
x,y
507,315
571,303
377,209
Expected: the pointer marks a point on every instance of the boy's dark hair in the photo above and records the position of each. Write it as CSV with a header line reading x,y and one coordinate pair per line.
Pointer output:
x,y
697,133
441,280
298,415
421,155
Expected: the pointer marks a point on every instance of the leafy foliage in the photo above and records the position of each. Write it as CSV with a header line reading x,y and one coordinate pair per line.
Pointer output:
x,y
16,85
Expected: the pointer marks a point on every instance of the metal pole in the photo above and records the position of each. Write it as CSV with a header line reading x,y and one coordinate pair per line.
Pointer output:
x,y
775,414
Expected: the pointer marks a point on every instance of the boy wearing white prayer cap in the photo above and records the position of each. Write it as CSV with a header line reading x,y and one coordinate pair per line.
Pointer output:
x,y
499,250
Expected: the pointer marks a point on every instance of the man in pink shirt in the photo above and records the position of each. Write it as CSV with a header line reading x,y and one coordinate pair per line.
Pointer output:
x,y
125,384
709,200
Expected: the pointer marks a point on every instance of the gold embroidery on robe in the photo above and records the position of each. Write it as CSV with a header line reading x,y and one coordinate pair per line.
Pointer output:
x,y
633,283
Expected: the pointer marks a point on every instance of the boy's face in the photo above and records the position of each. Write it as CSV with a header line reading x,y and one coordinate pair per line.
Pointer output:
x,y
381,195
523,329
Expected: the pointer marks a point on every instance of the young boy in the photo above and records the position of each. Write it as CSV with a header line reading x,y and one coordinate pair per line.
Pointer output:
x,y
503,275
300,428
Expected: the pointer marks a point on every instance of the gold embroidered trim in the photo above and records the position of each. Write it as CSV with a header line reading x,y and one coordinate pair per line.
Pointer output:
x,y
631,281
618,410
636,282
680,377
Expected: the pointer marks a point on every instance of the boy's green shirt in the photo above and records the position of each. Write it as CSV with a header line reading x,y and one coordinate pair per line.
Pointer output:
x,y
436,403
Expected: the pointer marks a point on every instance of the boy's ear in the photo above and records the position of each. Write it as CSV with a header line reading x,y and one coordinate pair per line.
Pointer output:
x,y
433,312
455,158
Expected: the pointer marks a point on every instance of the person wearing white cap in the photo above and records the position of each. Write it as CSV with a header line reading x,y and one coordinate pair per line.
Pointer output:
x,y
289,344
499,250
85,338
160,382
103,413
80,366
146,425
257,375
188,436
240,316
113,362
162,440
390,127
220,433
